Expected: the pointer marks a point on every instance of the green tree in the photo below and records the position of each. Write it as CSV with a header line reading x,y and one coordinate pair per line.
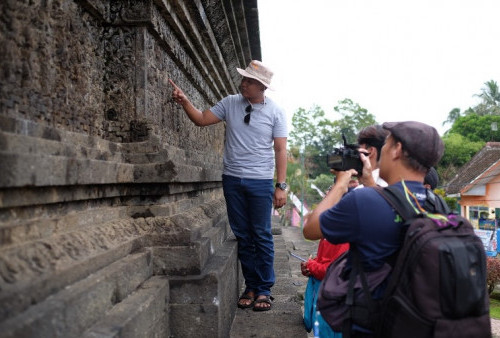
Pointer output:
x,y
304,131
458,151
453,115
323,181
470,130
477,127
312,137
304,138
490,97
352,119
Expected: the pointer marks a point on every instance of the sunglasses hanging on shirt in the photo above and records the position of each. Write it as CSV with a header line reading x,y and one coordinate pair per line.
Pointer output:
x,y
248,109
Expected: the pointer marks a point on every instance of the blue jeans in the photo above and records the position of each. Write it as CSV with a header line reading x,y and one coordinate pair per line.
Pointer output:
x,y
249,206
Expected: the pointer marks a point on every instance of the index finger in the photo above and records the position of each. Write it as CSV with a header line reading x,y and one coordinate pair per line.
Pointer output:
x,y
172,83
364,152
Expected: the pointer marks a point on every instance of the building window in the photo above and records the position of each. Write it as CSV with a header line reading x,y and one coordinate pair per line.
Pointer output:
x,y
476,212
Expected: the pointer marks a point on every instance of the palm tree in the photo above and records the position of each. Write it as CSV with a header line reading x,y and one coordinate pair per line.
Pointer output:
x,y
452,116
490,96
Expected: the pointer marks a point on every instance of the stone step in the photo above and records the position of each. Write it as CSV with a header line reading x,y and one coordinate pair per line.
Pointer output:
x,y
25,144
182,258
48,170
64,258
33,129
139,158
142,314
39,268
204,305
40,169
69,312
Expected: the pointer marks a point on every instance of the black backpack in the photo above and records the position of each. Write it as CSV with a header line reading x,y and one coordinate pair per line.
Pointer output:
x,y
436,283
437,287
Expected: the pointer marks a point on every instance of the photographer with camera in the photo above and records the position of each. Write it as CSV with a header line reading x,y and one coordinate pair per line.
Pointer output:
x,y
363,218
370,142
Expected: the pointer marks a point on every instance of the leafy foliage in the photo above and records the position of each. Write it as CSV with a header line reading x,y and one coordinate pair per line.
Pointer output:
x,y
458,150
476,127
452,202
490,96
493,268
453,115
317,135
313,137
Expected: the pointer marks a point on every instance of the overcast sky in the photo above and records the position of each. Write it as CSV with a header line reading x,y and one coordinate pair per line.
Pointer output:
x,y
400,59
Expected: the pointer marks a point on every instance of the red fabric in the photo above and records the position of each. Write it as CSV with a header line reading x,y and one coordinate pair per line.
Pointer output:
x,y
327,253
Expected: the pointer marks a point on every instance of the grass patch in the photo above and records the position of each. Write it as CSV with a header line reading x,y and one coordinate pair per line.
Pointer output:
x,y
495,304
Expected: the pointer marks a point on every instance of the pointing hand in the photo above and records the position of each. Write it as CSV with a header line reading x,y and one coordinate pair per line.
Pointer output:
x,y
177,95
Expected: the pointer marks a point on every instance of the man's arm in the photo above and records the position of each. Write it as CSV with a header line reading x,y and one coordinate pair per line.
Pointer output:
x,y
280,158
199,118
312,229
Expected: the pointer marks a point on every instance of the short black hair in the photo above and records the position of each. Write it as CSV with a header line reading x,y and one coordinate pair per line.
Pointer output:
x,y
373,136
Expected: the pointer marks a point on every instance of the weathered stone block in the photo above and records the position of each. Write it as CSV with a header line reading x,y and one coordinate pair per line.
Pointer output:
x,y
142,314
181,260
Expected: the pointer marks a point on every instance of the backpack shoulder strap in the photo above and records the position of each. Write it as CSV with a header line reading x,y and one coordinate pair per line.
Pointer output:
x,y
435,204
398,201
356,269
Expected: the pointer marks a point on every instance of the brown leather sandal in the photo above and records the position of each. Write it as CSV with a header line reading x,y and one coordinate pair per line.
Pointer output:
x,y
267,300
246,306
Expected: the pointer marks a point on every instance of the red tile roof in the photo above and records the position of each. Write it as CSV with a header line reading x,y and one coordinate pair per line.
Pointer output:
x,y
484,159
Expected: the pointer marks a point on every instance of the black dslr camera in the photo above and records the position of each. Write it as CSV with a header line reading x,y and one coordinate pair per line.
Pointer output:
x,y
342,159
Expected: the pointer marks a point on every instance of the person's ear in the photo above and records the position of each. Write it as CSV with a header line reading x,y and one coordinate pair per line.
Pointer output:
x,y
397,150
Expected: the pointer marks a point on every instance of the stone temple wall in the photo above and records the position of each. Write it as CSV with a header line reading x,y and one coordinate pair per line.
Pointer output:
x,y
112,217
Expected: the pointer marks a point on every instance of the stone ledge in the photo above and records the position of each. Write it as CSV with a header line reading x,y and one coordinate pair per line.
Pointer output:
x,y
70,311
206,301
142,314
37,196
28,269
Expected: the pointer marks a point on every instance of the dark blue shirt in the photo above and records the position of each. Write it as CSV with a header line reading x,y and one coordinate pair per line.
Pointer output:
x,y
364,218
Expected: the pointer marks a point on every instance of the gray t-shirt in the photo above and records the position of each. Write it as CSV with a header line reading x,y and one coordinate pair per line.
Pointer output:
x,y
249,151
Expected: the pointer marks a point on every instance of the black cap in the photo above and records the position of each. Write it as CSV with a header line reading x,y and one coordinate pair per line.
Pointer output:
x,y
432,178
420,140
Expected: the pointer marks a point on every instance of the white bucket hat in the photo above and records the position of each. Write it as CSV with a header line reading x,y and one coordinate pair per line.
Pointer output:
x,y
256,70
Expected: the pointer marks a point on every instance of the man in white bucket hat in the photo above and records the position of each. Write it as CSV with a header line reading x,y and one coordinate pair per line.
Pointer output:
x,y
256,134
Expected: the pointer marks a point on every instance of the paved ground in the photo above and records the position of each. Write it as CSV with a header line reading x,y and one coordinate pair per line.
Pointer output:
x,y
495,328
285,318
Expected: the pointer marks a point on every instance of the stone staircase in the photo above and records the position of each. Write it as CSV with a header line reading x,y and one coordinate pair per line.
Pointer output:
x,y
185,287
103,239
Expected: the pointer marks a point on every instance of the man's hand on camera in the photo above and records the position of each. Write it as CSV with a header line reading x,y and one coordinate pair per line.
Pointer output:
x,y
367,178
343,178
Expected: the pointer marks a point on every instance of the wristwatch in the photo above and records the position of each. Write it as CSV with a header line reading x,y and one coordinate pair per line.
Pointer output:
x,y
283,186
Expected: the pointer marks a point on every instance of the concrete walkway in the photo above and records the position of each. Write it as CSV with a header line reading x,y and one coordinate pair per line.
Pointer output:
x,y
285,318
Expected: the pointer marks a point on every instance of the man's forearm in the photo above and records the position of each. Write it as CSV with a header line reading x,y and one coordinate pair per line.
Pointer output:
x,y
192,112
280,157
312,228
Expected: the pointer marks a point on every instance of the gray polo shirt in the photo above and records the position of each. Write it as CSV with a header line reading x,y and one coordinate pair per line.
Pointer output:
x,y
249,151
